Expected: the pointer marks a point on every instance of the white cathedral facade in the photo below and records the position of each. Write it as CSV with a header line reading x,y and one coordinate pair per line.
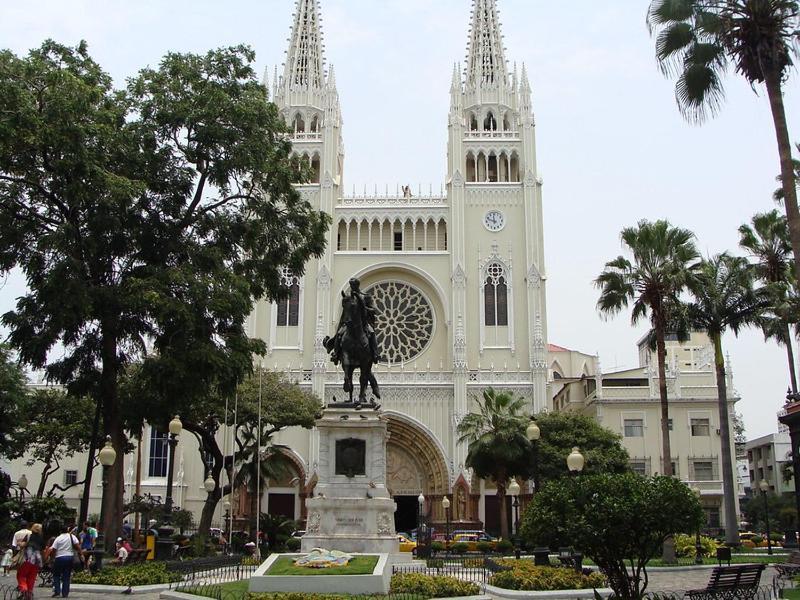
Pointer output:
x,y
458,278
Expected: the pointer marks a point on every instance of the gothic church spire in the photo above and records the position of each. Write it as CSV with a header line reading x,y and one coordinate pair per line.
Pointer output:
x,y
304,60
486,62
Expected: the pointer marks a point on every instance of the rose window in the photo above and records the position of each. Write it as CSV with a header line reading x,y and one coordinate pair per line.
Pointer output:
x,y
404,323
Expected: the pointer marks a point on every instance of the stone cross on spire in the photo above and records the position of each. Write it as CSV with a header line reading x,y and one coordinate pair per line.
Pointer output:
x,y
304,61
486,61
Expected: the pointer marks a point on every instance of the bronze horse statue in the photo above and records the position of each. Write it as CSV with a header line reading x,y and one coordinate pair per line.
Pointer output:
x,y
353,348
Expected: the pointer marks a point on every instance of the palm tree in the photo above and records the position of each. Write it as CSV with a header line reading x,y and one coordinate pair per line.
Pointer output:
x,y
724,299
699,39
768,243
252,473
664,260
497,446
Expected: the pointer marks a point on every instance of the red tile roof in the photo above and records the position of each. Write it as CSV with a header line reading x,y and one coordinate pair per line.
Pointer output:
x,y
555,348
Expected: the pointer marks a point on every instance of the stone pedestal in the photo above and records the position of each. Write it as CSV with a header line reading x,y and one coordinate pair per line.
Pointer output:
x,y
351,509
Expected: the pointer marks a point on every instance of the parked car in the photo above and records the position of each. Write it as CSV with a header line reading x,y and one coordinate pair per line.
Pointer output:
x,y
406,545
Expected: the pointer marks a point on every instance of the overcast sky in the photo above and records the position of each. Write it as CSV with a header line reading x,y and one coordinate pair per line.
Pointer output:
x,y
612,147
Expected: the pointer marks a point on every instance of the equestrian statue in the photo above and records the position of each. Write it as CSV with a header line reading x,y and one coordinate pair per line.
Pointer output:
x,y
355,344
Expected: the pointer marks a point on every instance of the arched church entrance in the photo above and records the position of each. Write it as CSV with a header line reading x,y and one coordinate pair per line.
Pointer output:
x,y
414,464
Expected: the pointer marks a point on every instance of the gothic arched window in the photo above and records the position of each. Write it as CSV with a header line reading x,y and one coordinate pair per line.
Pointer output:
x,y
315,124
299,123
473,122
289,307
490,123
495,296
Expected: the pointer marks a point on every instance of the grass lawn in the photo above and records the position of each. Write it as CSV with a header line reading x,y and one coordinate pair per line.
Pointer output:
x,y
360,565
735,560
793,594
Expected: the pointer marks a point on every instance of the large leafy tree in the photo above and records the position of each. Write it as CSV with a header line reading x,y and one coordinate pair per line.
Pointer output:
x,y
52,426
13,393
158,212
497,446
664,259
766,238
620,521
697,40
725,300
561,431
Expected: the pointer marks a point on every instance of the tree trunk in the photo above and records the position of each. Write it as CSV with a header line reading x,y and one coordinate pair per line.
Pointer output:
x,y
728,488
772,80
668,550
112,424
501,500
209,445
666,449
87,480
790,356
43,481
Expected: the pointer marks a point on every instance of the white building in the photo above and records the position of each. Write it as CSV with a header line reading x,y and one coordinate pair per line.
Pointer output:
x,y
766,456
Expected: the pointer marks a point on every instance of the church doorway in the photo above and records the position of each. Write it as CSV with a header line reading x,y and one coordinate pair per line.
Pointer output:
x,y
405,517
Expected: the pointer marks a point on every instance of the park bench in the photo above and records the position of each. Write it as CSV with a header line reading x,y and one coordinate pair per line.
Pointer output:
x,y
739,582
791,568
137,555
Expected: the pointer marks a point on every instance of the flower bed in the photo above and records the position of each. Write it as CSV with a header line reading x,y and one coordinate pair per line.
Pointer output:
x,y
524,575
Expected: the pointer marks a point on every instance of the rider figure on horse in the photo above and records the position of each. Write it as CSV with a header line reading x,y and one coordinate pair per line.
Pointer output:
x,y
368,311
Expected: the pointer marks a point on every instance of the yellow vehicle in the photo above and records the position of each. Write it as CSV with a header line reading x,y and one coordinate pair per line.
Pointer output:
x,y
406,545
472,540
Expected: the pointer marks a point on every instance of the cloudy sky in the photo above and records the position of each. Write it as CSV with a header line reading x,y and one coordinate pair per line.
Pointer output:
x,y
612,146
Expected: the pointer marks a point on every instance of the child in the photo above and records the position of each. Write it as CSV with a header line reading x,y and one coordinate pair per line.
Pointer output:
x,y
5,562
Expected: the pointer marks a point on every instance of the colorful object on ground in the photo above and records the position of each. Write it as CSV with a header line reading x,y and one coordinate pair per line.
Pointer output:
x,y
319,558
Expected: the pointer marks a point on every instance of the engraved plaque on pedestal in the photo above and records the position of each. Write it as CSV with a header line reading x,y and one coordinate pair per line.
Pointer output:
x,y
351,457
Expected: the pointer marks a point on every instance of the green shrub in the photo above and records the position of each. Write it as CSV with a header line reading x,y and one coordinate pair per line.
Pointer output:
x,y
757,539
437,546
293,544
149,573
484,547
431,586
524,575
685,545
776,537
504,546
459,548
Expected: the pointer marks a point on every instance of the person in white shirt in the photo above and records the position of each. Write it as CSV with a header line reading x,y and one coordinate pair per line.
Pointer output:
x,y
21,535
64,548
120,554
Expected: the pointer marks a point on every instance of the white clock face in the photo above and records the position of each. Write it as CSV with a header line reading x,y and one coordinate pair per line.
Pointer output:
x,y
494,220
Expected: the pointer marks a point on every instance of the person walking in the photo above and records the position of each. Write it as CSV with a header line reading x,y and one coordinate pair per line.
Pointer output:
x,y
26,574
65,548
20,535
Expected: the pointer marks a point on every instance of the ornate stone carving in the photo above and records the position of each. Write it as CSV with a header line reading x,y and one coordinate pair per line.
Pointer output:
x,y
327,181
458,179
533,278
313,523
404,320
530,179
402,472
324,278
459,277
385,525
